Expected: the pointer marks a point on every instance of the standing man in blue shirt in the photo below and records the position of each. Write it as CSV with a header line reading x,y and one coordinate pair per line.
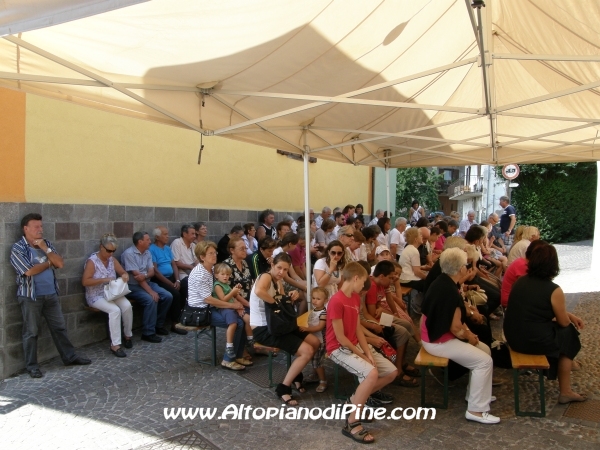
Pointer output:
x,y
155,300
508,220
166,273
34,259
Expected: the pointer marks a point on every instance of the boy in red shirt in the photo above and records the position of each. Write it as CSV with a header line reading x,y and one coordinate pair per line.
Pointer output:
x,y
345,343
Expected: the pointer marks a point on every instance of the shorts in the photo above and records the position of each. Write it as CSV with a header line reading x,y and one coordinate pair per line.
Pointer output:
x,y
508,241
288,342
358,366
317,359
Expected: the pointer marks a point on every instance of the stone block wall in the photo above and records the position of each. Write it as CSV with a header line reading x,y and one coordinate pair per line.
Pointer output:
x,y
75,231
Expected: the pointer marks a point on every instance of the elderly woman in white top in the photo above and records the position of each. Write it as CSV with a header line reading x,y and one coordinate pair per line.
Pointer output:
x,y
100,269
413,274
518,250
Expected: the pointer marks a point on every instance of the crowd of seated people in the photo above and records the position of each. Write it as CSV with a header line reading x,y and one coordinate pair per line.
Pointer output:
x,y
353,261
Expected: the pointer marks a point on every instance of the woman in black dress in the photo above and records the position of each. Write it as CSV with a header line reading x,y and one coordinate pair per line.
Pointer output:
x,y
537,322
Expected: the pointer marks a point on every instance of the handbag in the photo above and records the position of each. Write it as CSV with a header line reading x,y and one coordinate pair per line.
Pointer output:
x,y
388,352
195,317
476,298
281,316
115,289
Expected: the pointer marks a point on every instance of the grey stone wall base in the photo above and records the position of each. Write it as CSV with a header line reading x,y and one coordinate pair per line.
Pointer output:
x,y
75,231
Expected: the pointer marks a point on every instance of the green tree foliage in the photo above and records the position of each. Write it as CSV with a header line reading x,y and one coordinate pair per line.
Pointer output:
x,y
559,199
419,183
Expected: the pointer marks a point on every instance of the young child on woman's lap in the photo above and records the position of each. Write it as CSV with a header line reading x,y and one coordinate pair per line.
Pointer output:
x,y
224,292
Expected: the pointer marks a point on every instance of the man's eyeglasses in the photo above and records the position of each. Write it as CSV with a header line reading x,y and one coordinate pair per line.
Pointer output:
x,y
109,251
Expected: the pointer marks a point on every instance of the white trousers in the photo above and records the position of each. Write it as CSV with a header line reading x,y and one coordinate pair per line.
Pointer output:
x,y
478,359
117,309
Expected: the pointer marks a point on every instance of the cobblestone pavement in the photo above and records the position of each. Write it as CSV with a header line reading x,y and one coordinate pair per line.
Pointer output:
x,y
117,403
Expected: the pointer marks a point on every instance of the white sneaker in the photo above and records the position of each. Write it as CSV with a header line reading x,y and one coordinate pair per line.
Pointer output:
x,y
485,418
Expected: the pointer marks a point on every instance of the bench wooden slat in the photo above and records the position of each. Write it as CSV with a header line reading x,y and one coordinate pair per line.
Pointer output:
x,y
426,359
405,290
187,328
264,350
302,320
523,361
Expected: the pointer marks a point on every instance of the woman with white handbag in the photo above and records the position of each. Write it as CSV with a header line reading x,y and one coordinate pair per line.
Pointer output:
x,y
106,292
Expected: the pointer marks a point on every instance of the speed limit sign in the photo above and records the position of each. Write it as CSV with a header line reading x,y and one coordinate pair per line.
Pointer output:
x,y
510,171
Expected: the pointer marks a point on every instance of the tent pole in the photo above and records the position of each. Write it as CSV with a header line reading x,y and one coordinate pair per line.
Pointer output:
x,y
387,183
596,244
306,155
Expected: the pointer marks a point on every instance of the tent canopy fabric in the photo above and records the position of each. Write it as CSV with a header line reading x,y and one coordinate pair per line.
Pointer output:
x,y
388,83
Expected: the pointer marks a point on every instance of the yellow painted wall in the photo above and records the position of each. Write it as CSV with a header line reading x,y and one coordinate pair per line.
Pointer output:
x,y
86,156
12,146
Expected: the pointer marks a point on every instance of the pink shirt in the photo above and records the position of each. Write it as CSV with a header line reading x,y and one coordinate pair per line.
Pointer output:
x,y
425,336
516,270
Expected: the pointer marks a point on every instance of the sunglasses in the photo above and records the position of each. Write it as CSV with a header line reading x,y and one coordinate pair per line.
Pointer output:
x,y
349,235
331,252
109,251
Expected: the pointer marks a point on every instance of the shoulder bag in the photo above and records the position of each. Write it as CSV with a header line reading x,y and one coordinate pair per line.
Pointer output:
x,y
195,317
281,315
115,289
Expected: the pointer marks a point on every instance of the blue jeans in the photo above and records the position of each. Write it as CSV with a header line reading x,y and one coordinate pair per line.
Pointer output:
x,y
49,307
222,318
154,313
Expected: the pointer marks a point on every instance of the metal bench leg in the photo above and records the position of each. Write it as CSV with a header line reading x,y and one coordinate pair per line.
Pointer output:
x,y
271,369
424,403
516,390
213,332
446,387
423,386
289,360
518,412
196,338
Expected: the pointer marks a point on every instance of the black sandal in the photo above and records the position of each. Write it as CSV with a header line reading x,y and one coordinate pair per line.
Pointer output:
x,y
359,436
297,383
413,373
282,390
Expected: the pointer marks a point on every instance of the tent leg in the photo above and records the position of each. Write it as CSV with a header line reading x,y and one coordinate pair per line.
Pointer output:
x,y
306,156
596,245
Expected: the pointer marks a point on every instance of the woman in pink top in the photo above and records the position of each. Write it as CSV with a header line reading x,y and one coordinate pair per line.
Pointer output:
x,y
516,270
444,333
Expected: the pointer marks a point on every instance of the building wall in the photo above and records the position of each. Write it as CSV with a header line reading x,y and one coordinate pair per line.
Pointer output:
x,y
89,172
81,155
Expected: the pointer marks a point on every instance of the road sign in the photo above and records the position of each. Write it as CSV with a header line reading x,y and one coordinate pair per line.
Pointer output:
x,y
510,171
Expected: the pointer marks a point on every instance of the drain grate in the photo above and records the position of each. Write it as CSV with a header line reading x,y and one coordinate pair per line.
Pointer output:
x,y
190,440
588,410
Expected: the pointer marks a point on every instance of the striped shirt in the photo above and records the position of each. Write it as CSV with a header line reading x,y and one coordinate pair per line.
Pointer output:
x,y
200,286
20,258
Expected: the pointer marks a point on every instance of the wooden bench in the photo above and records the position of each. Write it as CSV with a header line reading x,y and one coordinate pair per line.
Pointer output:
x,y
534,362
426,360
210,333
336,384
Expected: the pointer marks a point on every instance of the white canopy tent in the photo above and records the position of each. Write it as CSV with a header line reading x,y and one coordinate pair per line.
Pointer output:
x,y
387,83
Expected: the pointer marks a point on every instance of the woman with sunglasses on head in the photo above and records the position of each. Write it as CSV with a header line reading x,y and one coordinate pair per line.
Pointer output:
x,y
326,273
100,269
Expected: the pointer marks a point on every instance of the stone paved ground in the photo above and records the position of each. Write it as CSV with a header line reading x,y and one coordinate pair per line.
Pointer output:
x,y
118,404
